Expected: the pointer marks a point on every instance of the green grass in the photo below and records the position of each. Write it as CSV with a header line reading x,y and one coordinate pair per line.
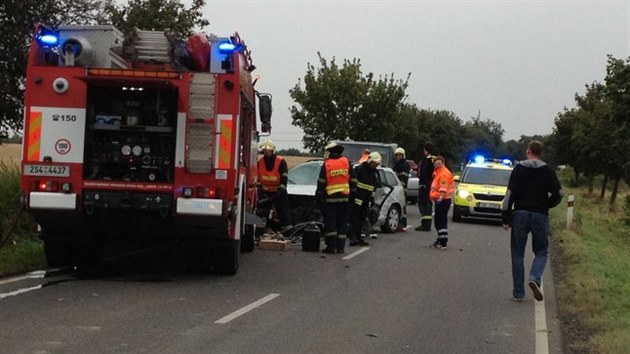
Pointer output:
x,y
23,251
594,288
21,256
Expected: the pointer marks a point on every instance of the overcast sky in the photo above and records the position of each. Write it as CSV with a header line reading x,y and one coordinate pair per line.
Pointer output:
x,y
518,63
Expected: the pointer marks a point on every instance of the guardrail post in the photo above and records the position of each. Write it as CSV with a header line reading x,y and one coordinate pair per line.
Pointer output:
x,y
570,202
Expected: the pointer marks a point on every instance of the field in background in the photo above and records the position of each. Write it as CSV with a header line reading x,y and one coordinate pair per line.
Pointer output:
x,y
11,152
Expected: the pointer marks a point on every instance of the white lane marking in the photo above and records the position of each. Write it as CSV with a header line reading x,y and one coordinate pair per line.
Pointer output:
x,y
355,253
19,291
246,309
542,342
32,275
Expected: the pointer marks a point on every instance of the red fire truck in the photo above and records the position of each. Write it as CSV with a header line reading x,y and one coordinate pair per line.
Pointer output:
x,y
141,137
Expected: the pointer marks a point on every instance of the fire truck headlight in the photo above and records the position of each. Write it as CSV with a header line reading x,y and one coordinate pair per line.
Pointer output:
x,y
188,192
60,85
66,187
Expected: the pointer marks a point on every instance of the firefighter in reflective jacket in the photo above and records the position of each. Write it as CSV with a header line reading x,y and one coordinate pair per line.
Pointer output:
x,y
273,176
362,196
333,191
425,176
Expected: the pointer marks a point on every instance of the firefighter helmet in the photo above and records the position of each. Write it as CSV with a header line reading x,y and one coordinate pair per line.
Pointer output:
x,y
375,157
400,151
334,147
267,145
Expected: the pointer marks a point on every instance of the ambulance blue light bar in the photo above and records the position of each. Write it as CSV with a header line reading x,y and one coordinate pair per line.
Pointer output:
x,y
479,159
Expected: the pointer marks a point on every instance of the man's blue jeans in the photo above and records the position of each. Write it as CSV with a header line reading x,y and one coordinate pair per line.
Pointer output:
x,y
524,222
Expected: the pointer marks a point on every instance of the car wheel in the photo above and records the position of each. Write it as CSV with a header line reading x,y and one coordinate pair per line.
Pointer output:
x,y
457,215
392,220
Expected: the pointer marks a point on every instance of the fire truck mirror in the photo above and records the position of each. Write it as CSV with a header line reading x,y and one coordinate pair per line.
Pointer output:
x,y
264,104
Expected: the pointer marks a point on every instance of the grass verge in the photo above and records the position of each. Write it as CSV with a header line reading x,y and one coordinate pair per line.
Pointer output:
x,y
593,286
23,251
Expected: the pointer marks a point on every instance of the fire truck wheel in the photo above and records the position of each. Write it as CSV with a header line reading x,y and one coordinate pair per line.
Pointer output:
x,y
247,241
88,255
226,259
58,253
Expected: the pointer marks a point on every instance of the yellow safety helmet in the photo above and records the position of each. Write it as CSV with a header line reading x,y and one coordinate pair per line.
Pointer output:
x,y
400,151
267,145
375,157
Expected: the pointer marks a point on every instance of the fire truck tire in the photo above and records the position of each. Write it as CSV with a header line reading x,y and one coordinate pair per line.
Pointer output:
x,y
226,259
58,253
247,241
88,255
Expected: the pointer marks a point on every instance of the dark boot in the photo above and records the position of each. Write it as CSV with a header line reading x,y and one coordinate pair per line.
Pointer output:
x,y
341,245
425,225
331,245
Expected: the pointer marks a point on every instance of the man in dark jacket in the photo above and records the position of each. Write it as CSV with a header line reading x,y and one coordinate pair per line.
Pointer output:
x,y
425,177
533,189
362,195
402,169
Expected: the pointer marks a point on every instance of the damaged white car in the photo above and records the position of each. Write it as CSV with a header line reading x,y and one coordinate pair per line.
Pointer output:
x,y
386,212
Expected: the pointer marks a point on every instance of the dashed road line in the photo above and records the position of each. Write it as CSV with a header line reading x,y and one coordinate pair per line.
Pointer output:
x,y
20,291
246,309
355,253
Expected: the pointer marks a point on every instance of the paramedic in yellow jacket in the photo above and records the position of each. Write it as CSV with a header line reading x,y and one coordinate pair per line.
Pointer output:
x,y
272,177
441,192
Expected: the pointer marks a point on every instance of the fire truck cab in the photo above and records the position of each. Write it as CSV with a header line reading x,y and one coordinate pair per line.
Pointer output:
x,y
141,137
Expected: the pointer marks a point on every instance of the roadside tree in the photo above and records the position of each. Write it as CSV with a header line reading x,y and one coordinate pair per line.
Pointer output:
x,y
339,102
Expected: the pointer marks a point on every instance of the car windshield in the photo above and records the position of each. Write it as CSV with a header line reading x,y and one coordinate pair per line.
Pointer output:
x,y
495,177
305,173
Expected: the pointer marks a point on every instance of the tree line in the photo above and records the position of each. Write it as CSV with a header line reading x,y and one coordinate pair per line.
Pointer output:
x,y
340,102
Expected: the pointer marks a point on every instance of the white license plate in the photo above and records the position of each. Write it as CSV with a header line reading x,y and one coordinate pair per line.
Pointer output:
x,y
490,205
47,170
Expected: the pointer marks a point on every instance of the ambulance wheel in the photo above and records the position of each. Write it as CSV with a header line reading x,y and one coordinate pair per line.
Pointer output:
x,y
58,253
457,215
226,259
392,220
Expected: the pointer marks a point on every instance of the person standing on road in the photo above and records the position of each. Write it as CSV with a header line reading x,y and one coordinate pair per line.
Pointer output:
x,y
425,176
362,196
442,188
333,191
532,190
273,175
402,169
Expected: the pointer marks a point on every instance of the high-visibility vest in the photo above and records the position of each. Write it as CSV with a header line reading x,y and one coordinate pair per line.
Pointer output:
x,y
270,180
337,176
442,183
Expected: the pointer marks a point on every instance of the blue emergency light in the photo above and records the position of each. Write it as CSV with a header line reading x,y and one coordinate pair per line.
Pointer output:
x,y
479,159
227,47
47,37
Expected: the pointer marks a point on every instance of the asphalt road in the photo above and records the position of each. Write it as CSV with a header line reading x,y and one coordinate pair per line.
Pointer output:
x,y
394,296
